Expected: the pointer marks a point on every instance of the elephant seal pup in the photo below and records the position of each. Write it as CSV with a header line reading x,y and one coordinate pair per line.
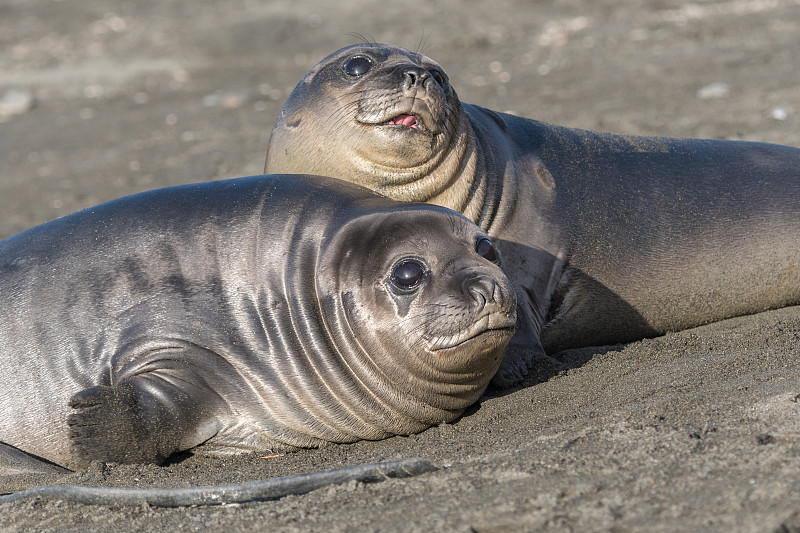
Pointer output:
x,y
269,312
607,238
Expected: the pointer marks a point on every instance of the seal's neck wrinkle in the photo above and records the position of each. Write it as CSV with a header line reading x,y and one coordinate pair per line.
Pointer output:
x,y
453,183
371,404
487,183
446,179
327,386
285,329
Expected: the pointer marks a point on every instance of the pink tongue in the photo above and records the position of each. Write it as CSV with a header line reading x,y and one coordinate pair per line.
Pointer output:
x,y
405,120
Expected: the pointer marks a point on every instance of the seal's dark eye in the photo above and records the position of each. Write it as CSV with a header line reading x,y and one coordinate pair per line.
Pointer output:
x,y
438,77
357,66
408,274
486,249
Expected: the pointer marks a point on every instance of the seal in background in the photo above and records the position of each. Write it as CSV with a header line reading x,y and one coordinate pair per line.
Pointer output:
x,y
606,238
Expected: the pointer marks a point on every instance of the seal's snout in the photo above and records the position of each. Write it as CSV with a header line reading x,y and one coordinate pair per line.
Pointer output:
x,y
483,314
414,77
484,291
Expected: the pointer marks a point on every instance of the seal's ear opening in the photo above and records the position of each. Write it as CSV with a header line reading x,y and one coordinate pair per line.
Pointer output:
x,y
348,250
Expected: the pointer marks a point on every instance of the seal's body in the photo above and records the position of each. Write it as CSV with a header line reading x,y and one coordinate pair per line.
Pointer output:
x,y
607,238
248,314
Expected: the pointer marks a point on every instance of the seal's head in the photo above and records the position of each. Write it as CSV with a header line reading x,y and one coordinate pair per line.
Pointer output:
x,y
419,292
378,115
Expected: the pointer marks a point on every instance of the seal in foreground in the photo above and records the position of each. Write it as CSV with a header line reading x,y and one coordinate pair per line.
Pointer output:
x,y
268,312
606,238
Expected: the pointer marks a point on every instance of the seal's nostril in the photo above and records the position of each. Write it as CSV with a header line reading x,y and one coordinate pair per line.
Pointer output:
x,y
481,289
478,296
415,77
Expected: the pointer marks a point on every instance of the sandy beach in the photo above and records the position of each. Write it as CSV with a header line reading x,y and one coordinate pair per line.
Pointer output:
x,y
697,430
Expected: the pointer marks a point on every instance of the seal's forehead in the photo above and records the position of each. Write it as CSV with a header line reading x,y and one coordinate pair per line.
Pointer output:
x,y
380,52
429,222
374,239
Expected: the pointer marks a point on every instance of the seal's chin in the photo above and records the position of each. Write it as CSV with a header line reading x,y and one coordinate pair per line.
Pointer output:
x,y
490,328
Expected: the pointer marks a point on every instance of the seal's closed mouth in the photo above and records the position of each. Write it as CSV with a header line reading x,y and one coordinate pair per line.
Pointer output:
x,y
448,348
490,325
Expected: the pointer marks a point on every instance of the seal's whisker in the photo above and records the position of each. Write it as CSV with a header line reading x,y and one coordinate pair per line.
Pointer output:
x,y
363,38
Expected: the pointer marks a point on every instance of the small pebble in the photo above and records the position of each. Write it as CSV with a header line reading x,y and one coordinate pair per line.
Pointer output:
x,y
228,100
718,89
779,113
16,102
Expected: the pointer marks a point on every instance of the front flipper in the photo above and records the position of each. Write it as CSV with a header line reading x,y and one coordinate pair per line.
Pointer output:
x,y
535,274
525,358
143,419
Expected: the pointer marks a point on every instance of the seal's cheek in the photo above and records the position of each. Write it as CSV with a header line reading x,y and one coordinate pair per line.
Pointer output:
x,y
398,305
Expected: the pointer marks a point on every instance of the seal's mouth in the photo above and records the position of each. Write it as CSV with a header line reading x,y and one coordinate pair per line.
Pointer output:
x,y
406,116
405,120
495,325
